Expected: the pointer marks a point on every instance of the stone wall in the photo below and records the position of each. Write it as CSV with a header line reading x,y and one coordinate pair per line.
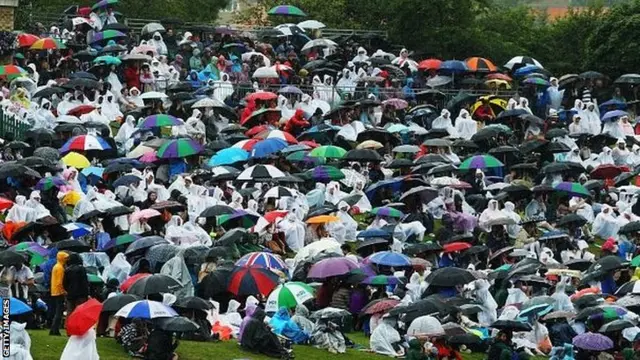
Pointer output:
x,y
7,18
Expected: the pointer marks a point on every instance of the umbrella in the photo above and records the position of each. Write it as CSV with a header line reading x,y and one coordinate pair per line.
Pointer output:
x,y
380,306
605,171
107,60
17,307
252,281
324,173
194,302
453,67
520,61
179,148
83,317
628,79
608,263
331,267
614,114
389,258
575,220
478,64
154,284
177,324
120,240
84,143
160,120
228,156
311,24
379,280
76,160
107,35
330,313
49,183
286,10
216,210
387,211
151,28
456,246
262,259
450,277
328,151
47,44
260,173
480,162
512,325
362,155
143,244
572,189
289,295
592,342
146,309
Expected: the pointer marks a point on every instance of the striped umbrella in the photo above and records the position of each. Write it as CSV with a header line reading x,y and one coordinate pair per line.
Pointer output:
x,y
246,144
572,189
159,121
277,134
479,64
47,44
286,10
246,281
262,259
11,72
84,143
325,174
103,4
179,148
26,40
107,35
387,211
480,162
289,295
49,183
120,240
146,309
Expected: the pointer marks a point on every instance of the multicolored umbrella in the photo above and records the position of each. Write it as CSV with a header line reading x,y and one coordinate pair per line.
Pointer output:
x,y
262,259
572,189
324,174
120,240
479,64
277,134
304,157
242,219
328,151
26,40
536,81
84,143
246,144
107,35
160,120
78,229
146,309
47,44
480,162
286,10
387,211
245,281
49,183
11,72
389,258
179,148
103,4
289,295
380,280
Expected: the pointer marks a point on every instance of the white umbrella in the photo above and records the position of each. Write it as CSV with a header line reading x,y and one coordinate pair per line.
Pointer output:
x,y
266,73
207,103
79,20
323,246
311,24
286,29
525,60
248,55
425,326
153,95
136,57
260,173
292,290
497,186
146,309
438,80
318,43
444,181
150,28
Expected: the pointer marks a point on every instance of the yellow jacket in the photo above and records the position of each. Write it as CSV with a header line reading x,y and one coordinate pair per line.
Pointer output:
x,y
57,274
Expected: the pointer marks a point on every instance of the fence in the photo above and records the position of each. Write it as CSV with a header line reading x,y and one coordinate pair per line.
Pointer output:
x,y
9,124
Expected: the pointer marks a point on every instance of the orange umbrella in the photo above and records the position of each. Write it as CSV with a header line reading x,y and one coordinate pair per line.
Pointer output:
x,y
430,64
47,44
322,219
479,64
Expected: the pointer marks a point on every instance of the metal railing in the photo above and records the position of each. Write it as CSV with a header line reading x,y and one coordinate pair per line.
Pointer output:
x,y
9,124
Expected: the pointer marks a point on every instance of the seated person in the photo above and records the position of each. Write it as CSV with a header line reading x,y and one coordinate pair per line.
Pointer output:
x,y
283,325
257,337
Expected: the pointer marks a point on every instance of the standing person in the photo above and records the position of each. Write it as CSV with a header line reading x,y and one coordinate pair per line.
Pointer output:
x,y
75,282
58,292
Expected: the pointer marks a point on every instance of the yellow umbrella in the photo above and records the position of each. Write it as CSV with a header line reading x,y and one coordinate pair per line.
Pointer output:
x,y
497,104
322,219
71,198
76,160
370,144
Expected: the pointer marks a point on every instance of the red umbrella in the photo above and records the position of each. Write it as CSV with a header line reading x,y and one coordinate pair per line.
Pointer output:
x,y
430,64
5,203
310,143
380,306
83,317
271,216
498,76
256,130
81,110
605,171
456,246
252,281
262,95
26,40
130,281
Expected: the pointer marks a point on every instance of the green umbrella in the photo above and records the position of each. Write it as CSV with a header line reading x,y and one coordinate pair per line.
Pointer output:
x,y
572,189
240,218
387,211
324,174
480,162
328,151
289,295
303,156
94,279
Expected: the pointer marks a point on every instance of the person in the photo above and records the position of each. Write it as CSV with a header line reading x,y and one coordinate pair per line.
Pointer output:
x,y
177,268
466,127
23,279
161,346
301,318
20,345
134,337
258,338
81,347
75,282
385,338
282,324
416,351
58,292
341,297
501,349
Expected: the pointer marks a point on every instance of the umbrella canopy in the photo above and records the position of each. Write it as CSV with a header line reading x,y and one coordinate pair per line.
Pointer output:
x,y
246,281
592,342
450,277
286,10
262,259
480,162
177,324
146,309
83,317
117,302
572,189
331,267
389,258
179,148
289,295
154,284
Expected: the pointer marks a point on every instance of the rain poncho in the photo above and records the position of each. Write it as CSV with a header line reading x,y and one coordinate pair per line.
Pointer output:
x,y
20,212
111,109
620,155
326,335
35,204
294,231
20,346
66,104
361,56
444,122
177,269
81,347
490,213
613,128
283,325
384,337
85,205
301,318
363,204
232,318
248,310
466,127
194,125
516,296
134,97
123,137
43,117
555,94
489,314
578,126
316,197
333,193
158,43
347,83
176,233
350,225
605,156
119,269
509,212
223,88
562,300
605,224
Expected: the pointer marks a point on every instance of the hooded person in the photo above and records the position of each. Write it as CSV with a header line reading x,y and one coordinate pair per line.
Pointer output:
x,y
297,123
301,318
613,128
66,104
158,43
591,119
112,78
258,337
524,105
574,156
111,109
634,157
285,107
578,126
43,117
489,313
223,87
35,204
81,347
282,325
385,338
605,224
490,213
195,127
33,73
361,56
294,231
124,137
350,225
363,204
20,344
210,72
620,153
177,268
444,122
605,157
134,97
195,62
20,212
466,127
562,300
554,94
249,310
232,317
347,83
509,212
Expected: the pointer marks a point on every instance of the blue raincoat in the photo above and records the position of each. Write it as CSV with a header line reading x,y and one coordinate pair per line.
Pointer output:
x,y
208,74
284,326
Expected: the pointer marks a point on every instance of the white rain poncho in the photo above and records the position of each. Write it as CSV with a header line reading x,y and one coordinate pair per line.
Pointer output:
x,y
524,105
415,287
116,85
194,125
555,94
85,205
236,201
620,155
350,225
333,193
509,212
119,269
634,157
613,128
489,314
198,232
574,156
444,122
384,337
285,107
177,268
466,127
20,346
134,97
232,317
605,157
123,137
43,117
111,109
347,83
81,347
323,246
176,233
361,56
605,224
223,88
66,104
363,204
562,300
294,231
35,204
590,119
316,197
425,326
490,213
158,43
161,191
516,296
20,212
578,127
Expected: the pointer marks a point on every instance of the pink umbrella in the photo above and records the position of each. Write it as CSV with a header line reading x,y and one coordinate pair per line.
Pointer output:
x,y
144,214
149,157
399,104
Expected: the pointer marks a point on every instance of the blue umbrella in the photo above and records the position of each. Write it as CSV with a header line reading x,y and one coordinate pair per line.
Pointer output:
x,y
612,105
228,156
539,310
93,171
611,115
17,307
529,69
389,258
126,180
373,233
395,184
267,147
290,90
78,229
566,115
295,148
453,66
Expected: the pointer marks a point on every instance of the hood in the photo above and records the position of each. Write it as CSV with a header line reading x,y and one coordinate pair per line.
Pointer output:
x,y
45,104
302,310
157,36
259,315
74,259
21,200
196,52
134,91
35,195
233,306
463,114
509,206
316,80
131,120
493,205
577,104
32,66
196,114
445,113
362,51
62,257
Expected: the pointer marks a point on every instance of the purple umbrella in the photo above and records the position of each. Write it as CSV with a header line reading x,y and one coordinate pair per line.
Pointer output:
x,y
331,267
593,342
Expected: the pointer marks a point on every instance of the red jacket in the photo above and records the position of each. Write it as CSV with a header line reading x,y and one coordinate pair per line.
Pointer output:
x,y
296,123
131,77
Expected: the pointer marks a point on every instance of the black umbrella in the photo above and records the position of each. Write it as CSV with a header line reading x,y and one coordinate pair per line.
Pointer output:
x,y
193,302
431,158
17,170
154,284
11,258
506,149
216,282
323,210
586,301
516,190
49,91
450,277
232,236
36,162
424,193
195,255
74,245
216,210
574,219
171,206
531,146
83,75
380,135
511,325
363,155
593,184
466,339
414,249
591,75
82,83
556,167
578,264
118,167
532,119
117,211
630,228
218,145
554,133
371,242
143,244
399,164
115,303
554,147
176,324
608,263
525,166
616,325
